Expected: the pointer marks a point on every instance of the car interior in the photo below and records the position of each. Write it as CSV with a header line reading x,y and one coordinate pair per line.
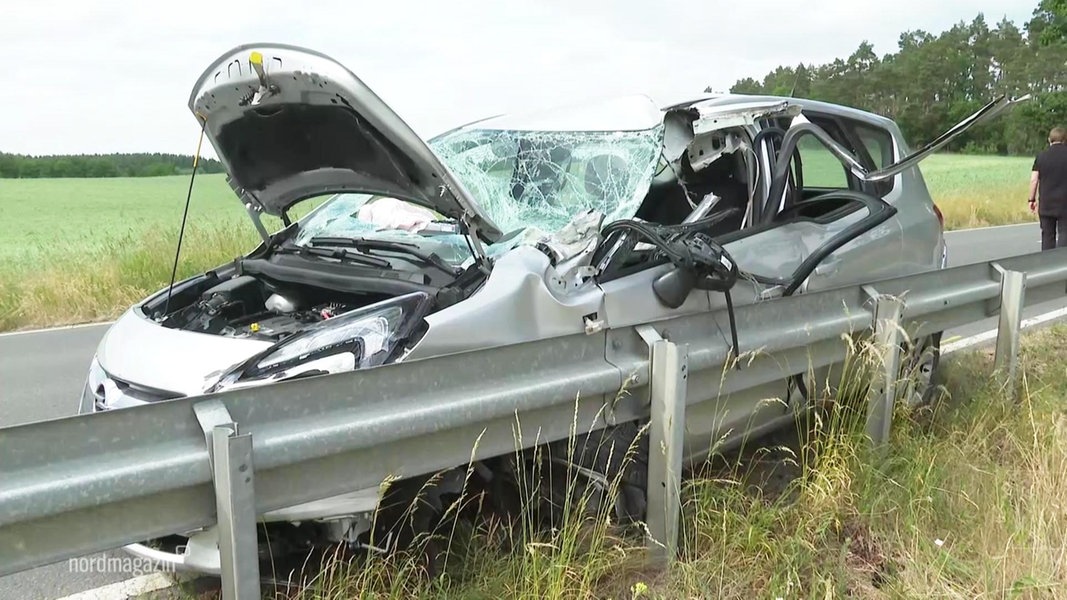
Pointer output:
x,y
812,183
813,171
677,190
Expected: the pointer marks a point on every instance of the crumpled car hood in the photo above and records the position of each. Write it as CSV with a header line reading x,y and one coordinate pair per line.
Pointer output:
x,y
290,124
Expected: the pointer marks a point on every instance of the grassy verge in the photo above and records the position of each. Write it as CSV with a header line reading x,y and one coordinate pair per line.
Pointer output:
x,y
100,283
80,250
979,191
76,250
968,502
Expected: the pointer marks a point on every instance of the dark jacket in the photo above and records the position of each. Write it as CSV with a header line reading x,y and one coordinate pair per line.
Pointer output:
x,y
1051,166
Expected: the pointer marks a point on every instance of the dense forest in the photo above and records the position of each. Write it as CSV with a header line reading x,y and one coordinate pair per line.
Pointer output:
x,y
101,165
934,81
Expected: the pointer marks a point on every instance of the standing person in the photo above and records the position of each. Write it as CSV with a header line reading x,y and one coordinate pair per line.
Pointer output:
x,y
1049,177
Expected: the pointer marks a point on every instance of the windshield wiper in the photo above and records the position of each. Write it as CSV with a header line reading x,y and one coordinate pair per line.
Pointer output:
x,y
367,245
338,253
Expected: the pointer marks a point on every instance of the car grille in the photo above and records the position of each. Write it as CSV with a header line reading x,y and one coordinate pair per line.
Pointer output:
x,y
129,393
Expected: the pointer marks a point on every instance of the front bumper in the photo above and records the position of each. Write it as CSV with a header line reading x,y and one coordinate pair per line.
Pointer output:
x,y
343,517
200,554
200,551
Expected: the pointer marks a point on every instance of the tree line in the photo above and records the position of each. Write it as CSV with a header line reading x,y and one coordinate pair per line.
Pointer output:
x,y
15,166
934,81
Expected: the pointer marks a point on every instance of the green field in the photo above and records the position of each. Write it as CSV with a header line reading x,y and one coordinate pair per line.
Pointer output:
x,y
979,191
43,216
76,250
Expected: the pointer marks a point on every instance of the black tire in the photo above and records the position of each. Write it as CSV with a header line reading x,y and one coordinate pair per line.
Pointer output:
x,y
929,348
621,455
595,474
920,369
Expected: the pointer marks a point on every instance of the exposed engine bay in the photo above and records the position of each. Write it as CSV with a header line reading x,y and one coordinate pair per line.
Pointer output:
x,y
247,307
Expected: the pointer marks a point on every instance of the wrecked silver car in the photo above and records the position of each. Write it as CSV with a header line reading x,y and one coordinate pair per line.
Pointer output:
x,y
506,230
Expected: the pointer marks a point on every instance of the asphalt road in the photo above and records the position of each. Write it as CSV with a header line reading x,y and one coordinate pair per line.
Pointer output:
x,y
41,377
42,373
978,245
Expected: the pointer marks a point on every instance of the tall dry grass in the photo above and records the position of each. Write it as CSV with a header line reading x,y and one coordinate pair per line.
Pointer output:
x,y
979,191
77,285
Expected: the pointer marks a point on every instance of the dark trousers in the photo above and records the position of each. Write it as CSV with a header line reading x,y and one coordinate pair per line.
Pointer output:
x,y
1053,232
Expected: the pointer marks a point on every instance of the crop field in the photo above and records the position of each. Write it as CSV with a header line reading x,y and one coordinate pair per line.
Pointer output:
x,y
77,250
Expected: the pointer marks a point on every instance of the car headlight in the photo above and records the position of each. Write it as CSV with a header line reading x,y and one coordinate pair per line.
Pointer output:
x,y
97,376
93,395
360,338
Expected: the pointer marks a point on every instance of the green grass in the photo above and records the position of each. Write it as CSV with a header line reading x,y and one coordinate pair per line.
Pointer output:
x,y
979,191
80,250
971,191
44,218
75,250
966,502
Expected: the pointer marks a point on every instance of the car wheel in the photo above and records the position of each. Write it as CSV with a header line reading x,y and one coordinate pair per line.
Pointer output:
x,y
918,370
601,473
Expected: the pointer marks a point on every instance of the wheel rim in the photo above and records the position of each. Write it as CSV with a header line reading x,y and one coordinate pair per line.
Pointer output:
x,y
919,372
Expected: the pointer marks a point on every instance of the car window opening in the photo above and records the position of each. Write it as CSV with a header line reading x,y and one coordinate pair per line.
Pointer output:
x,y
679,188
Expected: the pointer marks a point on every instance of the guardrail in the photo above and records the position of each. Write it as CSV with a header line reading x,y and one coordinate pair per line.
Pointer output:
x,y
72,486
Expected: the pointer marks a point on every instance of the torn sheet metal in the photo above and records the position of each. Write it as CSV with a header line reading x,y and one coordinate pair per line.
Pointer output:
x,y
709,148
987,112
711,117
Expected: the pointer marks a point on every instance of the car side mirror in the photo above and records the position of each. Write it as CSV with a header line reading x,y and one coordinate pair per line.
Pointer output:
x,y
673,287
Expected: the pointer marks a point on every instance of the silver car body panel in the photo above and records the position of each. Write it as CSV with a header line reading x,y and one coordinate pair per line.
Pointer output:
x,y
200,553
514,305
138,350
713,117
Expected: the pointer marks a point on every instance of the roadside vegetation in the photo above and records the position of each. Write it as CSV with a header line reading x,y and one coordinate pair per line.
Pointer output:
x,y
966,502
933,80
979,191
21,166
80,250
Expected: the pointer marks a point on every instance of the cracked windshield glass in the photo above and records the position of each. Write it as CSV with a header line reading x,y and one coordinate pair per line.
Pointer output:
x,y
531,183
543,179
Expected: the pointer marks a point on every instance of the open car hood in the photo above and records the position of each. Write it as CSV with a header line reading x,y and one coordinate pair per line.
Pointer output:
x,y
290,123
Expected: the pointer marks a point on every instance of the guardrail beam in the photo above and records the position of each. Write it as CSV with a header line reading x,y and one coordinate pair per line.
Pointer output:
x,y
669,377
84,484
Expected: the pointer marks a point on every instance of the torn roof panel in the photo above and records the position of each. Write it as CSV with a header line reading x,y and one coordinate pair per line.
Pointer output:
x,y
711,116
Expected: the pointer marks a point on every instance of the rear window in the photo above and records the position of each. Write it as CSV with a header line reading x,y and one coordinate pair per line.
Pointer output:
x,y
879,145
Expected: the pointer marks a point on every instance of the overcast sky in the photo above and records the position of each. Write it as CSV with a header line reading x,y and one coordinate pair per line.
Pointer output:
x,y
109,76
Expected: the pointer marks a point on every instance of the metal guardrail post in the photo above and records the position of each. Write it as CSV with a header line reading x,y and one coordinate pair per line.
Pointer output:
x,y
669,378
883,391
236,504
1012,291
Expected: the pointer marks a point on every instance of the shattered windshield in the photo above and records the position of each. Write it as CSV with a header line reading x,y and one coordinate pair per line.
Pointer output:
x,y
543,179
537,181
383,218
